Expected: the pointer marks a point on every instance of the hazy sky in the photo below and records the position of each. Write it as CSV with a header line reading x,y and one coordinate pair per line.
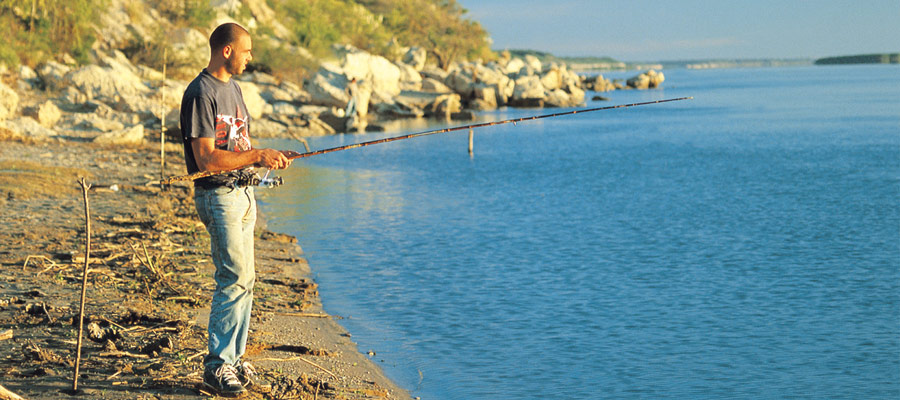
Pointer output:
x,y
657,30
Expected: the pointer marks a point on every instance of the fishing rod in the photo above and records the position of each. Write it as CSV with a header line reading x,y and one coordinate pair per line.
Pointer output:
x,y
292,155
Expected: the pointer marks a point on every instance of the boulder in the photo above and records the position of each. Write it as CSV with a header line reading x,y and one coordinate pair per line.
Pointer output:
x,y
528,87
47,114
514,66
268,17
533,62
599,84
461,82
485,95
383,75
27,73
398,109
98,82
647,80
435,73
446,105
259,78
326,87
434,85
94,122
190,49
562,98
551,79
410,78
415,57
72,97
296,93
26,127
9,101
252,98
128,136
53,75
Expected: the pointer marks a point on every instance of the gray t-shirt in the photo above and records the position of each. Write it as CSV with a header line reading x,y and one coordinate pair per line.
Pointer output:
x,y
211,108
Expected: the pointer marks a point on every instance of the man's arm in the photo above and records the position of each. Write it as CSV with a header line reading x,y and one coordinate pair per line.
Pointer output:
x,y
209,158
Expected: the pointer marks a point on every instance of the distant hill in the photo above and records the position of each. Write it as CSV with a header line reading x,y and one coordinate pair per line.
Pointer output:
x,y
886,58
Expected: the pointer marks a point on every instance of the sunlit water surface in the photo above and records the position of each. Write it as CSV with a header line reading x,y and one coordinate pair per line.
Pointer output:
x,y
744,244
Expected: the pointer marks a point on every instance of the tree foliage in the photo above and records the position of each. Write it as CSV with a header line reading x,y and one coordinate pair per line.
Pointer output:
x,y
317,24
35,30
438,26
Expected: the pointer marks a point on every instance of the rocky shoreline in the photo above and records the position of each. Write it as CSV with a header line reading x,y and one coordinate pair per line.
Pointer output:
x,y
114,101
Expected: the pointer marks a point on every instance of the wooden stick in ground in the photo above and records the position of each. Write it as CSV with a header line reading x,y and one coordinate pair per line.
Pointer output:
x,y
87,260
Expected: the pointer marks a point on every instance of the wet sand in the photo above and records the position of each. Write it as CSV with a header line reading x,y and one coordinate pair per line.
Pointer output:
x,y
149,286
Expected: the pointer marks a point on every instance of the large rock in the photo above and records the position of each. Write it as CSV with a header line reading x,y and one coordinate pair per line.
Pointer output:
x,y
514,66
190,49
552,79
383,75
128,136
9,101
255,103
533,62
446,105
47,114
485,97
434,86
528,87
327,87
96,123
410,78
53,75
647,80
461,82
98,82
26,127
599,84
415,57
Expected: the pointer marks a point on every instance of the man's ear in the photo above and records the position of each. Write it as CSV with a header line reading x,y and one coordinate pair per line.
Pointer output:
x,y
226,51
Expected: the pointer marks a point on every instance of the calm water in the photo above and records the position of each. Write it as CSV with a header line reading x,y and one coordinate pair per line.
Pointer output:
x,y
745,244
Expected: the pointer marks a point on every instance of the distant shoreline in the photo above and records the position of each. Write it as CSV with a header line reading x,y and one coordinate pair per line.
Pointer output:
x,y
881,58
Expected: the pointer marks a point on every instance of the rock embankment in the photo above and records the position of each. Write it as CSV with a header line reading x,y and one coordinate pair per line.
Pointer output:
x,y
109,98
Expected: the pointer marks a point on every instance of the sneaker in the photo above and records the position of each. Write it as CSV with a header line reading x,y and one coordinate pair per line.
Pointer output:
x,y
245,373
223,381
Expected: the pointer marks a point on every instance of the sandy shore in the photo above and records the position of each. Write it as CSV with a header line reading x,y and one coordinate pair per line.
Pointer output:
x,y
149,287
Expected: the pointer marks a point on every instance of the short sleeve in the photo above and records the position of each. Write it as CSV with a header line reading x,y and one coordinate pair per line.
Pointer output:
x,y
198,118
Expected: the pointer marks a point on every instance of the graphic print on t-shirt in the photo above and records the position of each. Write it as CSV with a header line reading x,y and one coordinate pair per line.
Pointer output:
x,y
231,133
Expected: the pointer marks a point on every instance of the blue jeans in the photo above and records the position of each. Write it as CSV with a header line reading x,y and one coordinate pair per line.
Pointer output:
x,y
229,216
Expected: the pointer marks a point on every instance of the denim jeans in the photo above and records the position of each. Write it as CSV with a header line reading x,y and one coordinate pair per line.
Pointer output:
x,y
229,216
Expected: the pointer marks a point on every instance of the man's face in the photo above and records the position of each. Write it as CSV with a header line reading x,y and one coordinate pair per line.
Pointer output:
x,y
240,55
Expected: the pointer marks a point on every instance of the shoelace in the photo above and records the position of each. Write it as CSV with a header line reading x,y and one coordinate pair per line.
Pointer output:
x,y
247,369
227,375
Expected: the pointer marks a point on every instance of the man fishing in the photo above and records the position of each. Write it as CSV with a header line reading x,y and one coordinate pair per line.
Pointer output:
x,y
216,132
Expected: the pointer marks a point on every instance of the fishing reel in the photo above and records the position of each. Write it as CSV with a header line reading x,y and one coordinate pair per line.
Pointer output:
x,y
265,181
253,179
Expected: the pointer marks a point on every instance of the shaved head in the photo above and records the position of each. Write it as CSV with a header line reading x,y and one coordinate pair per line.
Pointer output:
x,y
225,35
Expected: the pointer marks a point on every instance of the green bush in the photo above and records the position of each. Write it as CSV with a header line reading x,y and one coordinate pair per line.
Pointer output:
x,y
36,30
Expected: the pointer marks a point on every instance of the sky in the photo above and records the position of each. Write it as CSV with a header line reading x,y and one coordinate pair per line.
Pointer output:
x,y
660,30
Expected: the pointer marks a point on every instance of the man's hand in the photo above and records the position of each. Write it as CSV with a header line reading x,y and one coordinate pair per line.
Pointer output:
x,y
273,159
209,158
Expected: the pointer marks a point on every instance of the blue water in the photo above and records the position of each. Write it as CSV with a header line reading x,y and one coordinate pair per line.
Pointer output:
x,y
744,244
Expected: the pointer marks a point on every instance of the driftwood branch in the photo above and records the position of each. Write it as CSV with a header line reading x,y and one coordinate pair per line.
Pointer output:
x,y
87,260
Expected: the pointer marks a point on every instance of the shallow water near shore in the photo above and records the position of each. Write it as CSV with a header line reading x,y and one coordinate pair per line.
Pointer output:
x,y
744,244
